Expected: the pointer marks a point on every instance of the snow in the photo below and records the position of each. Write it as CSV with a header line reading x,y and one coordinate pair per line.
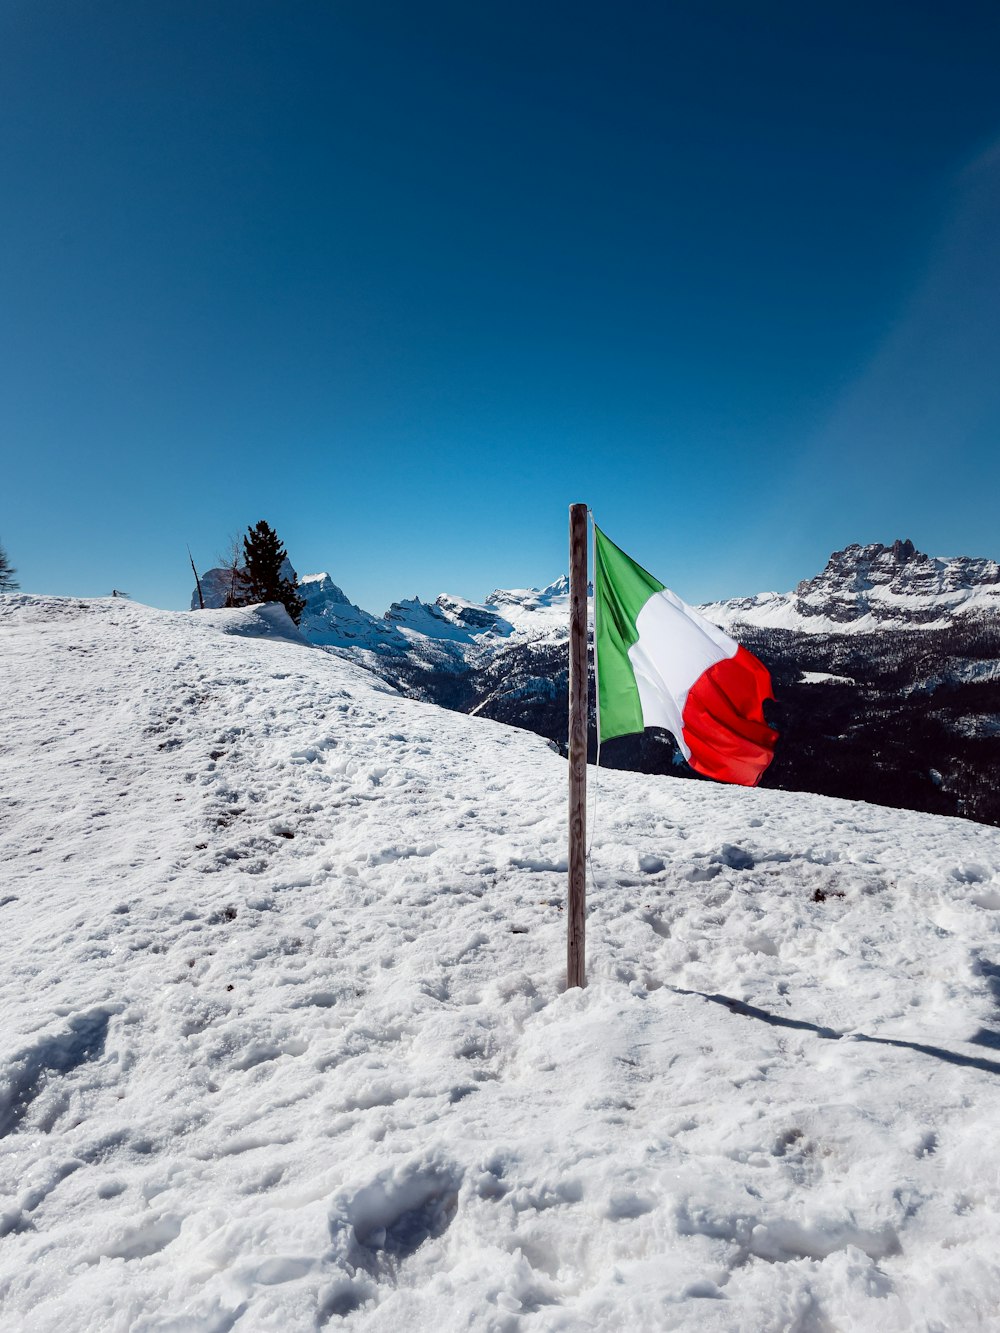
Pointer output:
x,y
870,610
862,590
285,1042
416,618
781,611
824,678
535,610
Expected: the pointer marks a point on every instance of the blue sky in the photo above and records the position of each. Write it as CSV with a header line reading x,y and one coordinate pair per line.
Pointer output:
x,y
406,280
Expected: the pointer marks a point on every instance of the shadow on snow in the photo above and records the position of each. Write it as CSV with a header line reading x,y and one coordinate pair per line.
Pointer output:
x,y
983,1037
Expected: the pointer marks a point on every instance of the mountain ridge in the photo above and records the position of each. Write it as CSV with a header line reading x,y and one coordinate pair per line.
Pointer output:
x,y
861,587
864,587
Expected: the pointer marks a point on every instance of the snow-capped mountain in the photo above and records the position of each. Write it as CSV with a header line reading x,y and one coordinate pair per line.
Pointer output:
x,y
865,588
468,627
285,1044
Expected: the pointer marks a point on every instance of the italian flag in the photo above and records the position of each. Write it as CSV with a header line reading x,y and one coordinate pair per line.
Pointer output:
x,y
660,664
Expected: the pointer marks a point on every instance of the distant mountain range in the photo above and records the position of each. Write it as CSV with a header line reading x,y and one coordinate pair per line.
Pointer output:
x,y
865,588
886,668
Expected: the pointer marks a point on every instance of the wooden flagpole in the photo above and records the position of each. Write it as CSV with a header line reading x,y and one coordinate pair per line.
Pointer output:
x,y
576,916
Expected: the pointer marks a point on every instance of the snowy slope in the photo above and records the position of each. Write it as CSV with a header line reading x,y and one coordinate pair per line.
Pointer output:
x,y
285,1044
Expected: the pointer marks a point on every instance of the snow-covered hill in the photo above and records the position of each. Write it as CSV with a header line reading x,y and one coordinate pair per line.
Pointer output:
x,y
285,1043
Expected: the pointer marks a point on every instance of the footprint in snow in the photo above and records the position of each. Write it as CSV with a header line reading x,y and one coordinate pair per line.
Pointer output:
x,y
28,1074
380,1226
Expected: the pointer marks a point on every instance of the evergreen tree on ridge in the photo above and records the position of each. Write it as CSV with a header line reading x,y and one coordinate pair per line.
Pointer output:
x,y
261,579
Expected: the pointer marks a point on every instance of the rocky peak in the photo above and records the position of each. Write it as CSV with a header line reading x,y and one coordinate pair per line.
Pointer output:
x,y
871,586
411,609
903,551
901,568
469,614
893,583
858,568
320,588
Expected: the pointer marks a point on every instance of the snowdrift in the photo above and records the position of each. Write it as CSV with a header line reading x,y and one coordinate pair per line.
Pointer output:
x,y
285,1044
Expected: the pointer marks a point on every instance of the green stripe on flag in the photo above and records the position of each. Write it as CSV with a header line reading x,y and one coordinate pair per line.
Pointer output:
x,y
621,589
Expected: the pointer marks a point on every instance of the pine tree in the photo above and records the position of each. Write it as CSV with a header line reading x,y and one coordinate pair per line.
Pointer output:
x,y
261,578
7,571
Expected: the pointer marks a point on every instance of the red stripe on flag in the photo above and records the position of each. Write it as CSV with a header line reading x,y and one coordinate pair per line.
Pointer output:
x,y
724,720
